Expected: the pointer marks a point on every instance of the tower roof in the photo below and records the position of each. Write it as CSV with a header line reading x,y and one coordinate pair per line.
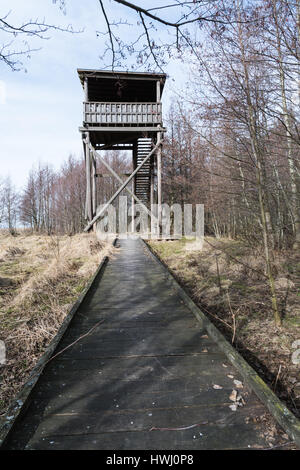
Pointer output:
x,y
131,85
115,74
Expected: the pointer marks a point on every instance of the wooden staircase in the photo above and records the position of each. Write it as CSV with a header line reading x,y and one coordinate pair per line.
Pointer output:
x,y
143,176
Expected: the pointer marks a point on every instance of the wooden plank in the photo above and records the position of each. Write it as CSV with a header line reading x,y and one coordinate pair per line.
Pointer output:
x,y
95,400
89,209
216,437
158,91
116,112
51,386
87,424
94,185
159,187
112,129
152,367
114,332
130,350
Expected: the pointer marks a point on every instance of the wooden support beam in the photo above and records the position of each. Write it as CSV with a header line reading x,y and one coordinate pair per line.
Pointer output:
x,y
95,154
124,185
132,207
111,144
152,185
84,153
94,185
85,88
134,162
107,175
158,91
115,147
159,193
120,75
88,198
121,129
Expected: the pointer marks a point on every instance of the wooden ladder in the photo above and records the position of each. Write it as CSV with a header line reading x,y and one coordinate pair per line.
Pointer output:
x,y
143,176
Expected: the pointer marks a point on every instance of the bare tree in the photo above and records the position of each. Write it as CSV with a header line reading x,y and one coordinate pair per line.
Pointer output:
x,y
9,205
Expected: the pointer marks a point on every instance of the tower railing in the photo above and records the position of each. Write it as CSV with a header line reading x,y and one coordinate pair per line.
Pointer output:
x,y
95,112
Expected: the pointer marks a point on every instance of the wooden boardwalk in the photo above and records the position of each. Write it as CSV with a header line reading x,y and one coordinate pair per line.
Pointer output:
x,y
147,377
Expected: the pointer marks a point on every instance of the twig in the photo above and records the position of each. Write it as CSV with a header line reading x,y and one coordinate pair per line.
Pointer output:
x,y
218,272
218,318
280,445
178,429
233,318
277,377
74,342
149,42
109,32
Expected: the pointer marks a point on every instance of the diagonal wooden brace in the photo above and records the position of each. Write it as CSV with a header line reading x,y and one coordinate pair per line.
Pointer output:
x,y
145,208
124,185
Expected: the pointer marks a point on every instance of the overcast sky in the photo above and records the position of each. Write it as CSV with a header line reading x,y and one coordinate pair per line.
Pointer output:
x,y
41,110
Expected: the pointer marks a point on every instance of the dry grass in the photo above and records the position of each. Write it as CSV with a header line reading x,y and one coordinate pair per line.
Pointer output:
x,y
40,278
227,281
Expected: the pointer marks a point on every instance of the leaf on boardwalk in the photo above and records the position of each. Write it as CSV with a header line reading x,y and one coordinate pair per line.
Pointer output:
x,y
233,407
238,384
233,395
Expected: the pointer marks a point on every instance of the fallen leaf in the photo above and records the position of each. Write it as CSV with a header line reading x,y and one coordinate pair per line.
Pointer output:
x,y
233,395
238,384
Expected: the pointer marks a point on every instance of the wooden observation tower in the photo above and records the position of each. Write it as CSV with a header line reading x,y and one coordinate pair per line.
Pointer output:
x,y
123,111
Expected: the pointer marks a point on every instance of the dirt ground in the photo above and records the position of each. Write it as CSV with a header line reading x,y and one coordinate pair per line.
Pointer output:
x,y
226,279
40,278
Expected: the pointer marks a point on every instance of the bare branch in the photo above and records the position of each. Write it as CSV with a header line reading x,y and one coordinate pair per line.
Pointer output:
x,y
33,28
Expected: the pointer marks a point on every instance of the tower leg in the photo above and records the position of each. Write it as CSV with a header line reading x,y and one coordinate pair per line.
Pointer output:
x,y
152,184
132,212
88,199
159,193
134,165
152,198
94,186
